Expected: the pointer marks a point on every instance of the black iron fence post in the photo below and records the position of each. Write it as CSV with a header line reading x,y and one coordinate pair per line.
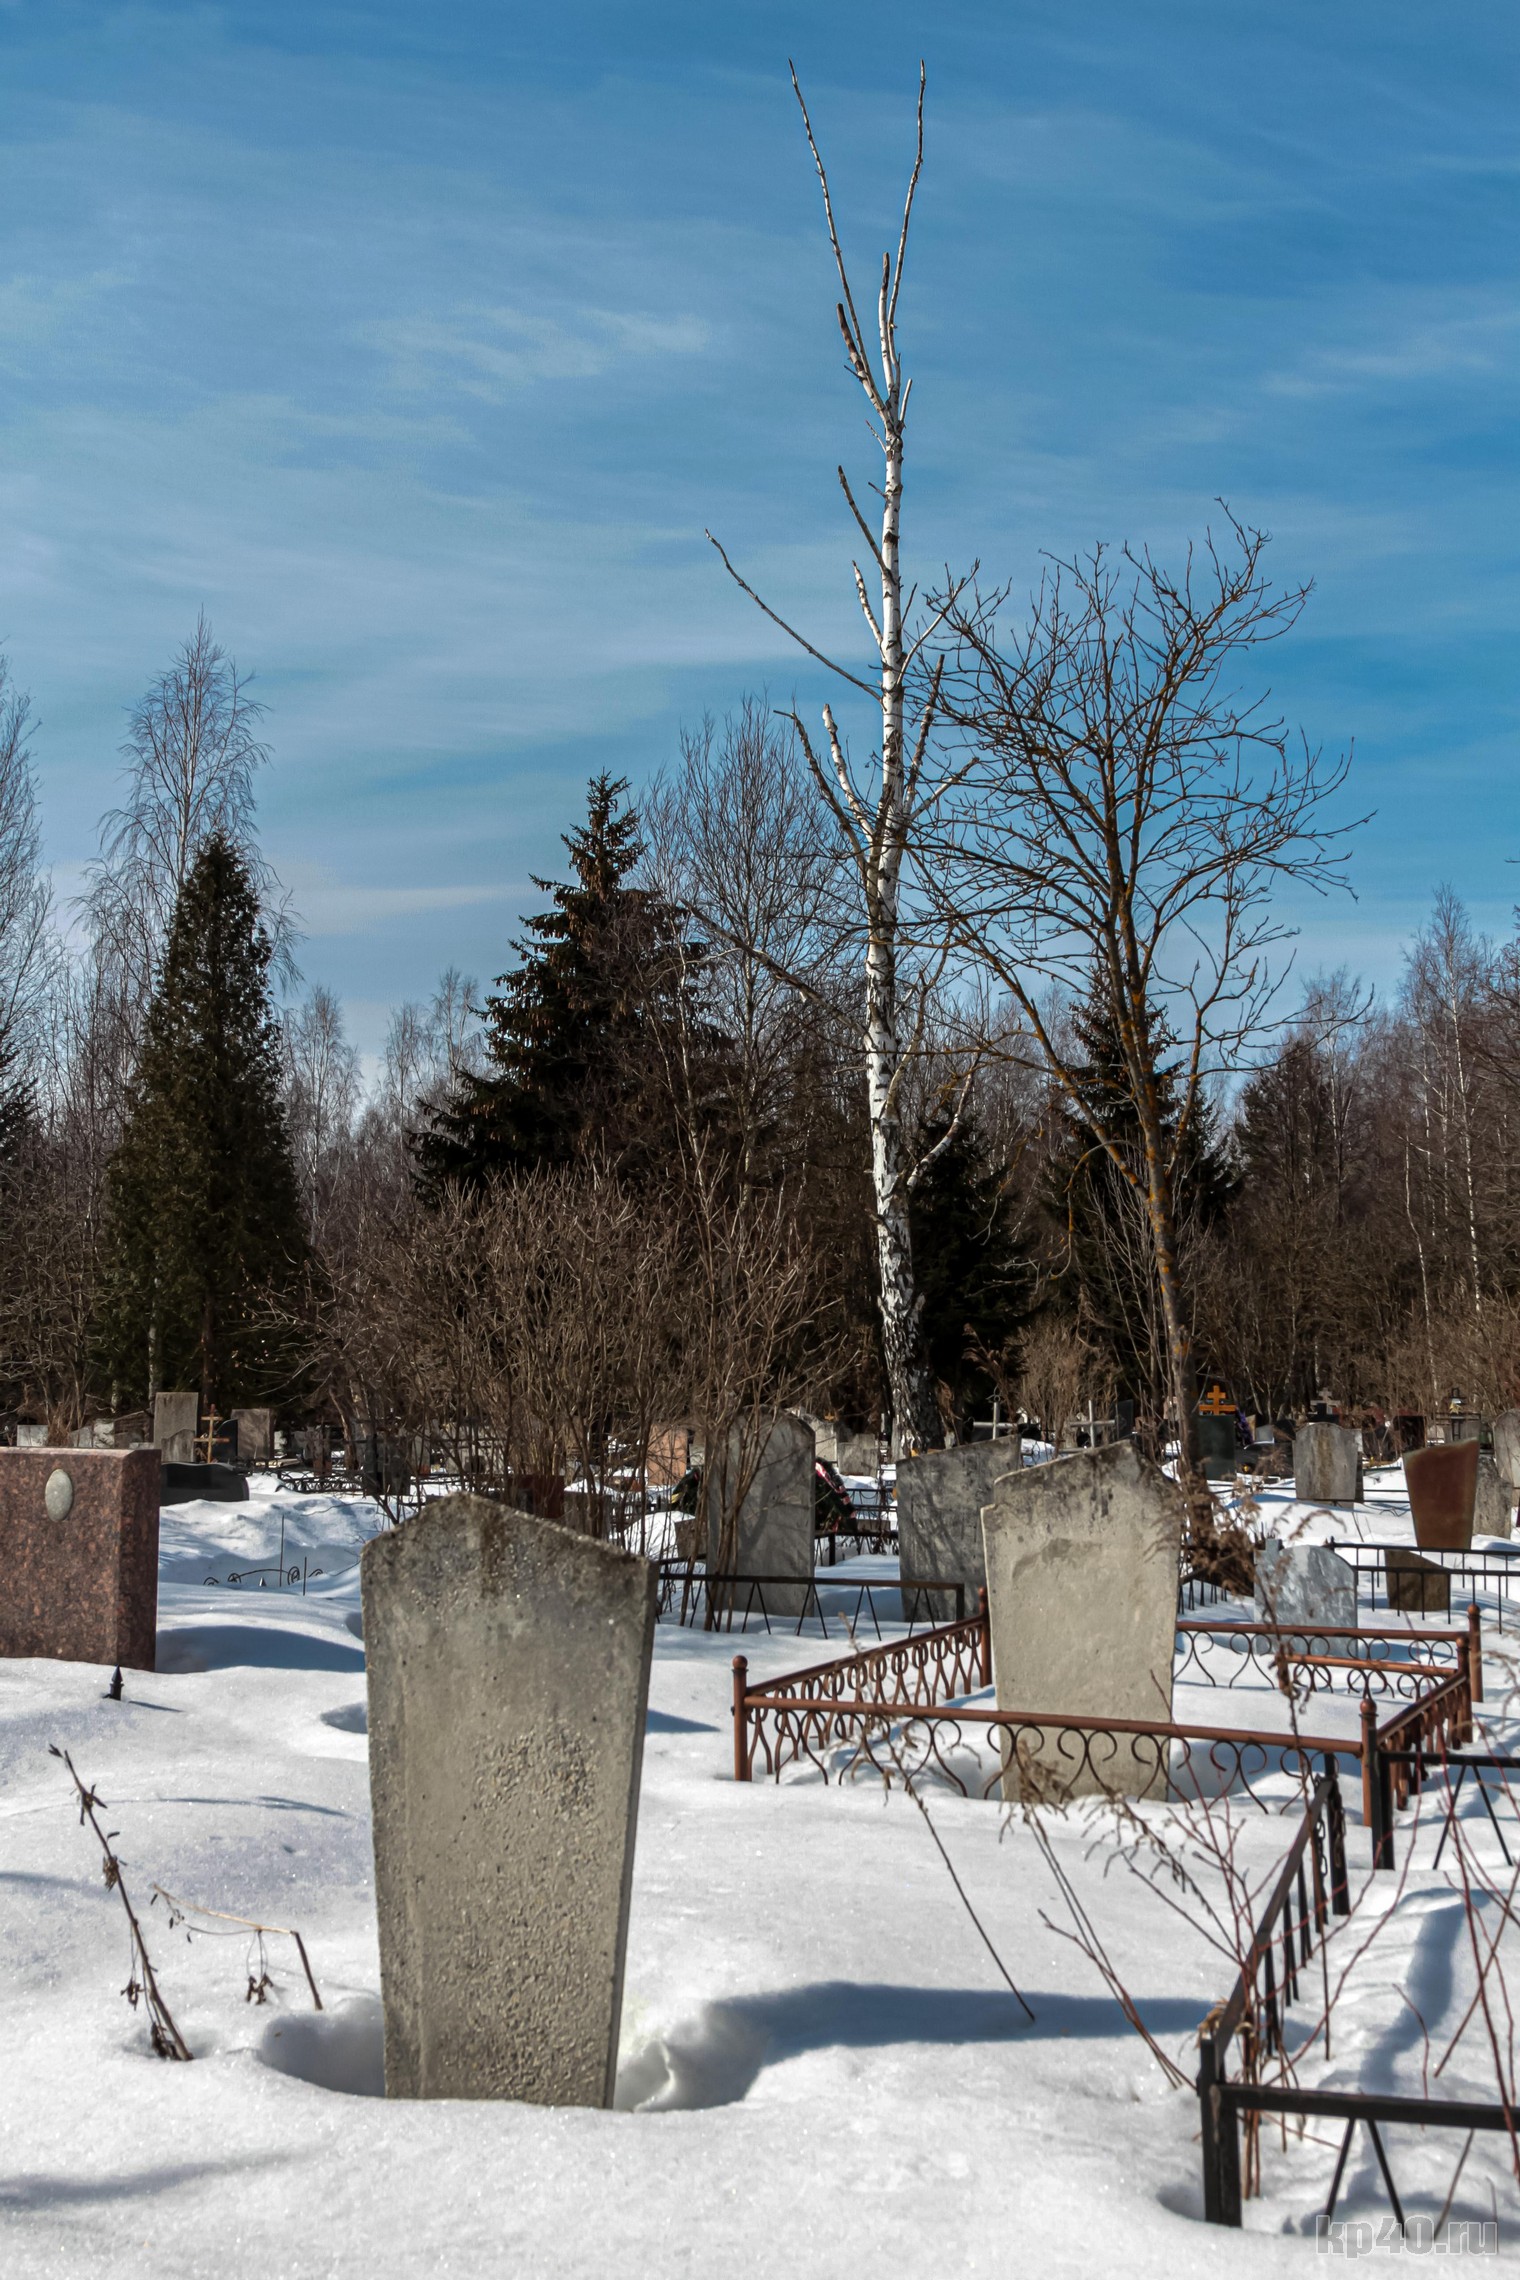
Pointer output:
x,y
1220,2131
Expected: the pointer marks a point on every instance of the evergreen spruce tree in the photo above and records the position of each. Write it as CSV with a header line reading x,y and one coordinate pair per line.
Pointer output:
x,y
1105,1269
574,1033
973,1278
205,1226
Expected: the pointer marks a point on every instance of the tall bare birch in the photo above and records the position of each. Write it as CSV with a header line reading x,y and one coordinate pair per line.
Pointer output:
x,y
876,808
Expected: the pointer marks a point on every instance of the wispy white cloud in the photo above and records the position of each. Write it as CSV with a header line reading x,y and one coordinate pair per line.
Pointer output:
x,y
328,908
486,351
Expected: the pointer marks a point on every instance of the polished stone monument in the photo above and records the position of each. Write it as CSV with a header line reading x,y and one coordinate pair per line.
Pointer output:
x,y
79,1554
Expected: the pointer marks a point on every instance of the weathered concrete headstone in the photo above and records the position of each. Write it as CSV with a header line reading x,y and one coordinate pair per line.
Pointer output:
x,y
1304,1583
1493,1501
176,1418
1082,1560
508,1683
1442,1481
31,1436
939,1520
1507,1447
1416,1586
775,1520
79,1554
255,1435
1327,1464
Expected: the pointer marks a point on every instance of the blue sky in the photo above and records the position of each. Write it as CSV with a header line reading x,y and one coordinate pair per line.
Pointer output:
x,y
419,344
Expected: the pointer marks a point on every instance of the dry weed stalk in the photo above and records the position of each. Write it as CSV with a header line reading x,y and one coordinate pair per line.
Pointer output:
x,y
259,1981
142,1983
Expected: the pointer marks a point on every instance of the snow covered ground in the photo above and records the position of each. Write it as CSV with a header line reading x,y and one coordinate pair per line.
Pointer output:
x,y
828,2075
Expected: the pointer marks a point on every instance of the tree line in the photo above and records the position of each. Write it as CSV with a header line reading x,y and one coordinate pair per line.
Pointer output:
x,y
926,1053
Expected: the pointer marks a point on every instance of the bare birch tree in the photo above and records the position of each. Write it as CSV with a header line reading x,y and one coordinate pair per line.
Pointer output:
x,y
1128,820
877,809
27,950
192,754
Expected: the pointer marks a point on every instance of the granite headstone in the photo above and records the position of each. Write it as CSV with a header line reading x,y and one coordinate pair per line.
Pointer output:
x,y
79,1554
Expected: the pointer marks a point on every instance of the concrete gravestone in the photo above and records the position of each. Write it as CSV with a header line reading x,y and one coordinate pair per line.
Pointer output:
x,y
508,1683
1082,1561
775,1530
255,1435
1304,1583
1507,1448
176,1418
79,1554
1327,1464
1494,1502
939,1518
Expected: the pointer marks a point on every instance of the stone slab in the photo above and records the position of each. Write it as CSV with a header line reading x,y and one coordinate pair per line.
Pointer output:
x,y
176,1420
1442,1481
1304,1583
192,1484
1493,1501
1327,1464
1416,1586
1218,1445
79,1554
508,1685
775,1534
940,1497
1082,1559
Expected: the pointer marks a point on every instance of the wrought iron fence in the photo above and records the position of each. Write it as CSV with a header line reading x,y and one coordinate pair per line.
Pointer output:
x,y
1309,1890
905,1708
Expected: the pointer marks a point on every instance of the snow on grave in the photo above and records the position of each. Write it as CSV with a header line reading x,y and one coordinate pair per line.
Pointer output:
x,y
508,1682
1304,1583
1082,1597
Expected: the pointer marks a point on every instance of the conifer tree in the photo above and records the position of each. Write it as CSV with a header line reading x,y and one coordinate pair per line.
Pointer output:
x,y
205,1223
575,1032
973,1278
1105,1267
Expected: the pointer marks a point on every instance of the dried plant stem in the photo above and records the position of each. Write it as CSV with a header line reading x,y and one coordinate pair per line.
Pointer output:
x,y
167,2040
981,1928
180,1911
